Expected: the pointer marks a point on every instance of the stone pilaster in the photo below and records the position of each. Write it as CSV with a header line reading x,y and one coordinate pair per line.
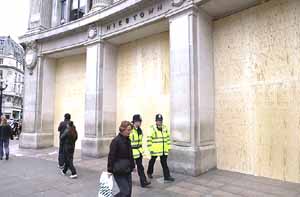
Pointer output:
x,y
38,115
99,4
192,98
100,104
40,15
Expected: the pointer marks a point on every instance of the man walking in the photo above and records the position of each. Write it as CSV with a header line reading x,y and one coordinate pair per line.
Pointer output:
x,y
61,128
136,138
159,146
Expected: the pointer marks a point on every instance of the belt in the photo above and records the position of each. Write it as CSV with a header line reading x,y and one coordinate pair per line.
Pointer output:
x,y
137,147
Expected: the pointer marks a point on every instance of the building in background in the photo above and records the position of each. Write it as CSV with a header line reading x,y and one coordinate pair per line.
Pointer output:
x,y
224,73
12,75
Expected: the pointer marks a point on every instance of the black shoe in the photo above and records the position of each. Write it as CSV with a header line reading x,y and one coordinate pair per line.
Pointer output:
x,y
7,157
1,158
171,179
145,184
150,176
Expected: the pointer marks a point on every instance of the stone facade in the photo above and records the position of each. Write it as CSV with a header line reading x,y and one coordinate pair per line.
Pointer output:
x,y
184,58
12,73
111,40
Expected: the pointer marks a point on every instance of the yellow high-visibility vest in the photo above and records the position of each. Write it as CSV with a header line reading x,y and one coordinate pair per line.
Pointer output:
x,y
159,142
136,143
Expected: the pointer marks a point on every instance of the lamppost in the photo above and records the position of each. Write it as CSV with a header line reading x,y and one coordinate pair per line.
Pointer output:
x,y
3,86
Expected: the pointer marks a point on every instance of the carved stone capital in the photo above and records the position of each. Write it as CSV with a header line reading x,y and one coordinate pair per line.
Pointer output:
x,y
31,55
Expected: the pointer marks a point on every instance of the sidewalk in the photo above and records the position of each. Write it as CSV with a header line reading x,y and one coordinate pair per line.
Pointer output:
x,y
32,173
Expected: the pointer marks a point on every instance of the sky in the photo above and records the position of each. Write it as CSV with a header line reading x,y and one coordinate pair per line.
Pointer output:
x,y
14,18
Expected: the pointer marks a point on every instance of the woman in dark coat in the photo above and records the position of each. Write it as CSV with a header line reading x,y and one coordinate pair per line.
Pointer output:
x,y
5,134
120,160
68,139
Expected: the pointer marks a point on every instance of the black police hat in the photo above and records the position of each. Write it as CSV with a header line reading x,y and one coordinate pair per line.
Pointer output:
x,y
136,118
158,117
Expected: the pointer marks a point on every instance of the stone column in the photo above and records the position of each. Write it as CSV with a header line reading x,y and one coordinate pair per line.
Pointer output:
x,y
99,4
56,13
192,93
40,15
68,10
100,103
39,94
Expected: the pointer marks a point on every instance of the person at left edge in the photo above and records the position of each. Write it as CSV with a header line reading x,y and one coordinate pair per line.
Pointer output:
x,y
136,138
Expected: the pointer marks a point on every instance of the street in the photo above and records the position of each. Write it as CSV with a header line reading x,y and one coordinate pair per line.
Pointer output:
x,y
31,173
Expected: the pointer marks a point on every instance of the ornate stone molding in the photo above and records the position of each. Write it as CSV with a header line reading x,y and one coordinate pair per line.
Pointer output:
x,y
92,32
177,3
31,56
99,4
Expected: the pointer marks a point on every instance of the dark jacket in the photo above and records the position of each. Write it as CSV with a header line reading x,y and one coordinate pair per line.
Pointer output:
x,y
5,132
62,126
120,148
67,139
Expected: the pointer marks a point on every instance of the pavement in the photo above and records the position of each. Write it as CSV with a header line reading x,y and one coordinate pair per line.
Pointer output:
x,y
34,173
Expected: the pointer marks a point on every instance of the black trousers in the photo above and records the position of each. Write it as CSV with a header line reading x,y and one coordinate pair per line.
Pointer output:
x,y
68,156
61,159
125,184
140,169
164,165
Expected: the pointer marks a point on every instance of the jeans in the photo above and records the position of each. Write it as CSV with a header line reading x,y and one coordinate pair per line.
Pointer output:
x,y
164,164
125,184
4,144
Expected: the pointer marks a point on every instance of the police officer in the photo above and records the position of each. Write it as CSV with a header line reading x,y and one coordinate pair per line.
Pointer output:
x,y
159,146
136,138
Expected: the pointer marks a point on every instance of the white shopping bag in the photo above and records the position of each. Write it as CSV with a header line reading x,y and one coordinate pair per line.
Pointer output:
x,y
108,186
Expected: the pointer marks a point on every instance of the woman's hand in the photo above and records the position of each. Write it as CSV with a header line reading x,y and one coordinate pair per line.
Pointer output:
x,y
109,174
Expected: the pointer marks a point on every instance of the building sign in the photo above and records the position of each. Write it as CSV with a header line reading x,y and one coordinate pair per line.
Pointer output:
x,y
137,17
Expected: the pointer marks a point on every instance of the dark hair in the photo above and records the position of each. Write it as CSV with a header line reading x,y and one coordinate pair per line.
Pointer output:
x,y
124,125
68,116
71,124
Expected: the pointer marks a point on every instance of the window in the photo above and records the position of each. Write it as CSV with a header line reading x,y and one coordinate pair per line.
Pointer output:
x,y
1,42
1,74
63,11
77,9
1,61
